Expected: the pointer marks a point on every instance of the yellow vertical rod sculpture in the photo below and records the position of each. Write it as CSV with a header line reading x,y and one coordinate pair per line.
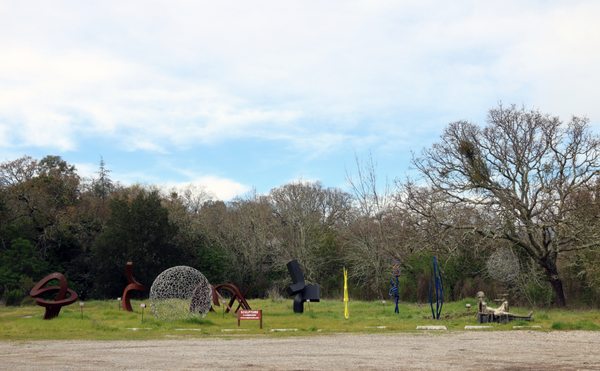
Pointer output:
x,y
346,313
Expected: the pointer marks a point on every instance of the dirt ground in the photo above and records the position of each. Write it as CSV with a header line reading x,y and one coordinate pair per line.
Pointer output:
x,y
469,350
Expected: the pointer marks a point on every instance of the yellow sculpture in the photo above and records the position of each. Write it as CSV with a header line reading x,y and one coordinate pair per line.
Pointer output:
x,y
346,313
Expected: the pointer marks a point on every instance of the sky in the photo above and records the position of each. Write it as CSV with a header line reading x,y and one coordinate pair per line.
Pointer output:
x,y
241,96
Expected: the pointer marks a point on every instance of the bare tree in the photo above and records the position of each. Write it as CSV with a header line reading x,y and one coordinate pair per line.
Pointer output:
x,y
369,246
373,198
307,214
521,170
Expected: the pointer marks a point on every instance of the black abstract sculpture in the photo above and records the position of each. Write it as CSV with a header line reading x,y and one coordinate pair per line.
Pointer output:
x,y
300,289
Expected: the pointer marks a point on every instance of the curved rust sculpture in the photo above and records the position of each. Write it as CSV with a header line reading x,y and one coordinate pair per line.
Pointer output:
x,y
233,292
60,299
133,285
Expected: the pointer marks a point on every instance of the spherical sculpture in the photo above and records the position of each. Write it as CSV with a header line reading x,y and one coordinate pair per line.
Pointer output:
x,y
201,298
180,292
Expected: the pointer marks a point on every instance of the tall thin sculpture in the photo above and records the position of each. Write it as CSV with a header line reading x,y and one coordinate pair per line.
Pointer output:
x,y
395,286
346,312
133,284
60,300
436,290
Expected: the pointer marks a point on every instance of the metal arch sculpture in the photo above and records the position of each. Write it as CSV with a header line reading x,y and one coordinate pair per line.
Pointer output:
x,y
60,300
436,293
234,294
133,284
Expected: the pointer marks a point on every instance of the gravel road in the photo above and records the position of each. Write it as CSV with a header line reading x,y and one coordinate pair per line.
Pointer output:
x,y
468,350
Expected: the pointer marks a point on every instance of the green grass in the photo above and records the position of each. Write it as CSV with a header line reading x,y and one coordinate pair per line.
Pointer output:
x,y
102,320
579,325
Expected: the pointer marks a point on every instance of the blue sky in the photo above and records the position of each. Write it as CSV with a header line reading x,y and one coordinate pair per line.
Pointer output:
x,y
232,96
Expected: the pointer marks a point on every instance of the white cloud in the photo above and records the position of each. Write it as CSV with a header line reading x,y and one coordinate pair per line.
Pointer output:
x,y
219,188
214,186
158,75
86,170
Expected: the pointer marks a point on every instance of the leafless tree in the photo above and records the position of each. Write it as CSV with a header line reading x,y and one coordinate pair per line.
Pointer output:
x,y
521,170
307,213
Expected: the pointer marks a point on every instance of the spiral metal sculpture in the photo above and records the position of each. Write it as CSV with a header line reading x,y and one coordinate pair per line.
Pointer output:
x,y
60,300
133,284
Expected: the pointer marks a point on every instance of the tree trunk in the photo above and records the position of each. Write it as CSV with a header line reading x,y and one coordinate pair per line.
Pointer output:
x,y
559,293
551,270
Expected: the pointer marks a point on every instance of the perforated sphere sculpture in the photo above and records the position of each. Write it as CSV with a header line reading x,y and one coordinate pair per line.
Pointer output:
x,y
200,302
180,292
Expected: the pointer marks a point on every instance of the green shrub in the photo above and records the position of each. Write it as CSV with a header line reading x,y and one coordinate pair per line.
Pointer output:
x,y
540,295
14,297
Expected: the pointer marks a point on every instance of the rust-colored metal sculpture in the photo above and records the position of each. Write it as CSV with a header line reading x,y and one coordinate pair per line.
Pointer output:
x,y
60,299
133,285
233,292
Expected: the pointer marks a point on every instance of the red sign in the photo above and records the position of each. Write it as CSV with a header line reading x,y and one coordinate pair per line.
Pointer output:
x,y
249,315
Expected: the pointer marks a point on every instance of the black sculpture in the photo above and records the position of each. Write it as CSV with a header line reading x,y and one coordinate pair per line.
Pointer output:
x,y
300,289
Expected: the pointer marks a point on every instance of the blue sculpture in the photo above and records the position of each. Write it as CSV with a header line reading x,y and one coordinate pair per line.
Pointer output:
x,y
394,289
438,292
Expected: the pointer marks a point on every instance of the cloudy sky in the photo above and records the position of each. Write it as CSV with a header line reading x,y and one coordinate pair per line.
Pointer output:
x,y
241,95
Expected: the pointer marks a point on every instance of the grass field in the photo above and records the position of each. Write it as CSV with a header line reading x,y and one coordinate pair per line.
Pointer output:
x,y
103,320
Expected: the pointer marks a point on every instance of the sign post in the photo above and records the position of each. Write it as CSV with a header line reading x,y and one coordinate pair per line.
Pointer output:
x,y
250,315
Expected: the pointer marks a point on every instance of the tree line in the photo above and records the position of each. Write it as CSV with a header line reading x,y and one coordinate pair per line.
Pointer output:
x,y
507,207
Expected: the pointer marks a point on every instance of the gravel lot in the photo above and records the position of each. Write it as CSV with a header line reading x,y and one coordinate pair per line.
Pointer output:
x,y
470,350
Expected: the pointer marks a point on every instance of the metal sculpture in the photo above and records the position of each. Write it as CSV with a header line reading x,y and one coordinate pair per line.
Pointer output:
x,y
200,300
300,289
180,292
133,284
346,312
231,291
436,290
60,300
395,285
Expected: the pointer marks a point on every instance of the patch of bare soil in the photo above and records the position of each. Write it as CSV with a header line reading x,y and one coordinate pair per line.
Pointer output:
x,y
474,350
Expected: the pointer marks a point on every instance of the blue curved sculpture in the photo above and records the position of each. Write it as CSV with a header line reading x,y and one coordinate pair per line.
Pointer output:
x,y
436,290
